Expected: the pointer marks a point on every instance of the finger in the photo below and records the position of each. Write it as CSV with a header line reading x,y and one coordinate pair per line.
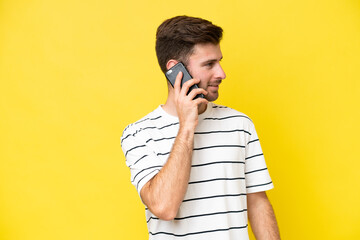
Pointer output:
x,y
197,91
177,84
199,101
186,86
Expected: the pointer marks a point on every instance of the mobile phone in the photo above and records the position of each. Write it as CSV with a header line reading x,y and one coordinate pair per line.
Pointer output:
x,y
173,72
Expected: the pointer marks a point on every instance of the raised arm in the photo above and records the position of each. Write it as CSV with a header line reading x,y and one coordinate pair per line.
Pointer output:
x,y
164,193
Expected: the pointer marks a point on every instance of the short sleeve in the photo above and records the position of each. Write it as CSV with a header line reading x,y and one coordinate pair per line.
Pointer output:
x,y
143,162
257,176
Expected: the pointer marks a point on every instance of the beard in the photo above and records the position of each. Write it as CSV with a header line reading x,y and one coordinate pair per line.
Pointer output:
x,y
212,96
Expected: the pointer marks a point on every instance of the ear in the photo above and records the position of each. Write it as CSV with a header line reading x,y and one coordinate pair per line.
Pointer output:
x,y
171,63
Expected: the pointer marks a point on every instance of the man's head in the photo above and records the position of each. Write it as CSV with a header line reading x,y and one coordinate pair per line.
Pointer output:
x,y
176,38
195,42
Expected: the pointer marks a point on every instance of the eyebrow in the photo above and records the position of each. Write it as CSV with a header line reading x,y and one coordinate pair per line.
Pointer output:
x,y
212,60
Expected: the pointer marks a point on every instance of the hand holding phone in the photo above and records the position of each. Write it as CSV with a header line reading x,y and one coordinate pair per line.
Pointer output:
x,y
173,72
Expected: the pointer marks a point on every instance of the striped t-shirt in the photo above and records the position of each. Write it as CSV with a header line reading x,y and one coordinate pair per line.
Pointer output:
x,y
227,164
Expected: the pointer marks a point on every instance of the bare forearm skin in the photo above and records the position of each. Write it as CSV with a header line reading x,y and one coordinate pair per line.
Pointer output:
x,y
164,193
262,218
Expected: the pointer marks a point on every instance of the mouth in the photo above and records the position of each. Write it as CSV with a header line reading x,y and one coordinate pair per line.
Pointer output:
x,y
214,85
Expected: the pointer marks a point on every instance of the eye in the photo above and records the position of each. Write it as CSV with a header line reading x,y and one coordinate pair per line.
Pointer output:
x,y
210,64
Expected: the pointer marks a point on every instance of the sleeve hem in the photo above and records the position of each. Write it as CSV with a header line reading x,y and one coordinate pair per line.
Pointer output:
x,y
260,188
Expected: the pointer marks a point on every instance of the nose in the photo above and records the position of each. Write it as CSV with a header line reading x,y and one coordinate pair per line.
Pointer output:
x,y
220,74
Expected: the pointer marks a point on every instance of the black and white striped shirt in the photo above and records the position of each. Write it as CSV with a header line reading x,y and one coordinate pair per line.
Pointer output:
x,y
227,163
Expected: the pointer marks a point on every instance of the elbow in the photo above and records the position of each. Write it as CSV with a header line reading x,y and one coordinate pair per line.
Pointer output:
x,y
165,207
167,216
166,212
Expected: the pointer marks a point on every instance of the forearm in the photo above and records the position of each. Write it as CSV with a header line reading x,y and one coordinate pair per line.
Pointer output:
x,y
165,192
262,218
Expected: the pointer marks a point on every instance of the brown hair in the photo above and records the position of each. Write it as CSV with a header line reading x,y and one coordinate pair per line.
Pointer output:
x,y
177,36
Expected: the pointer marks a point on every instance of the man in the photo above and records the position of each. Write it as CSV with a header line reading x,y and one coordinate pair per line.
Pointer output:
x,y
198,166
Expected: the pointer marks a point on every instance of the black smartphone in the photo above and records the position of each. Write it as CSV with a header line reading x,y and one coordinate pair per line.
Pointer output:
x,y
173,72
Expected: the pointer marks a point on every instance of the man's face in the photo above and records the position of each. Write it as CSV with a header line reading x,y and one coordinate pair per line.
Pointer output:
x,y
204,64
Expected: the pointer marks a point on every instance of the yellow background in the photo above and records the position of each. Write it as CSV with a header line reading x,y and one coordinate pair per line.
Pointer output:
x,y
75,73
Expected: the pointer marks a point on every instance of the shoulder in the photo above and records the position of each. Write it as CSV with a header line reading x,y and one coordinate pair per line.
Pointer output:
x,y
221,112
146,122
